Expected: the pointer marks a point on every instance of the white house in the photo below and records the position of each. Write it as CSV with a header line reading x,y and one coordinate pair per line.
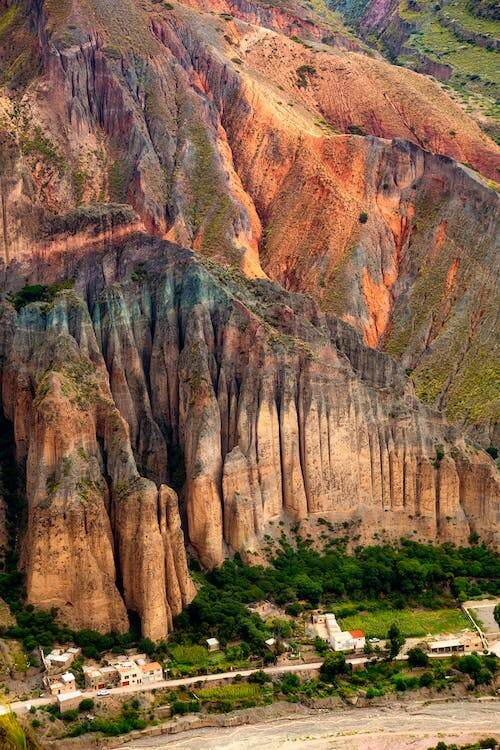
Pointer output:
x,y
152,672
348,640
213,644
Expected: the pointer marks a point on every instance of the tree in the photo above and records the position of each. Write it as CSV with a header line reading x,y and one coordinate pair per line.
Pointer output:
x,y
333,665
471,665
417,658
86,704
320,645
396,640
496,613
290,683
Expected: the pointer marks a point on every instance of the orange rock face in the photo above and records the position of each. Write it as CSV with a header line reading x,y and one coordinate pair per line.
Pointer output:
x,y
270,142
280,413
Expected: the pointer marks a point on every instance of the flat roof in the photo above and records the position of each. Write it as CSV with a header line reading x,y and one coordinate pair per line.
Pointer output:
x,y
69,696
445,643
151,667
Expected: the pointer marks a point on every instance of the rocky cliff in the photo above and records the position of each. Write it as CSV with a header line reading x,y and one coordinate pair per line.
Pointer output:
x,y
267,138
275,147
277,413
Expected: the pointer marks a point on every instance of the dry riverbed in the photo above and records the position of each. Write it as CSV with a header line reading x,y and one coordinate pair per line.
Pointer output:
x,y
415,726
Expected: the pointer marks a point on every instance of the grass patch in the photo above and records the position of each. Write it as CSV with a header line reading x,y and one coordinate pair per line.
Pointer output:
x,y
412,623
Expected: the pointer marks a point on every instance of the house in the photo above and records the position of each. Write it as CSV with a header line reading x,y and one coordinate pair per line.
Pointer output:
x,y
67,701
325,625
59,660
97,678
271,643
152,672
466,642
66,683
446,646
213,644
129,673
358,638
93,678
348,640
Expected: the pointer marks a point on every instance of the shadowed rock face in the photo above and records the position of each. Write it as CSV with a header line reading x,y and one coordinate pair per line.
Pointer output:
x,y
230,137
280,412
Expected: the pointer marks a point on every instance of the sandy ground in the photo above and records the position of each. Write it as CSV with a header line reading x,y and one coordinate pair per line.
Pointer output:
x,y
399,727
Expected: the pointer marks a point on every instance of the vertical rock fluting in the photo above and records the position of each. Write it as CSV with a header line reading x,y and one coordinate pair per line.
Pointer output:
x,y
281,415
100,539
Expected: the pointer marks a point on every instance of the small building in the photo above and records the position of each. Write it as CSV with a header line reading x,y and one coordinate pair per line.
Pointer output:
x,y
358,638
213,644
348,640
152,672
446,646
129,673
65,683
59,660
67,701
271,643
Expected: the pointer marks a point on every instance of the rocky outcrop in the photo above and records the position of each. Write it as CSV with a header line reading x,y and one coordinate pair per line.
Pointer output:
x,y
234,129
100,538
280,412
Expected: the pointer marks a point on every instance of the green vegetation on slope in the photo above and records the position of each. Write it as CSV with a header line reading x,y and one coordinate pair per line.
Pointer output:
x,y
389,577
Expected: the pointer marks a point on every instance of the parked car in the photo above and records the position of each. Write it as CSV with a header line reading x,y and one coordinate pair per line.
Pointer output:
x,y
102,692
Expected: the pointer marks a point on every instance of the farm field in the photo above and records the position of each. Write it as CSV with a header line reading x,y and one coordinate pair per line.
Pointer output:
x,y
412,623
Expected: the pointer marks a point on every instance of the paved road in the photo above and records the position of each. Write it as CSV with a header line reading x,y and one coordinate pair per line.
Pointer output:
x,y
416,726
21,707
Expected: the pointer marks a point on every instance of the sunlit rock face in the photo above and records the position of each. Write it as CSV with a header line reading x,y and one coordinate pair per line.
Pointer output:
x,y
274,411
169,401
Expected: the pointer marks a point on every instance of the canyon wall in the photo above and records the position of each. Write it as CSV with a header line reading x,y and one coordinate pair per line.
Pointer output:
x,y
277,412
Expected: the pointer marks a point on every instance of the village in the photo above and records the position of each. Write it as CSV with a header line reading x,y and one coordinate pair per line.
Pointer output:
x,y
136,672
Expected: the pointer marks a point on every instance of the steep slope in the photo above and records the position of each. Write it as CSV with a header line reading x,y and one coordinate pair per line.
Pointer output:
x,y
266,140
243,143
457,41
277,412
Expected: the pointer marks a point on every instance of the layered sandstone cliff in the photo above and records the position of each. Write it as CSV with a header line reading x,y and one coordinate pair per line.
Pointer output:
x,y
229,136
279,412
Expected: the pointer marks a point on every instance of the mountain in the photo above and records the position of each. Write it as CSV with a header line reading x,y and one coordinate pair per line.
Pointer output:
x,y
457,41
231,231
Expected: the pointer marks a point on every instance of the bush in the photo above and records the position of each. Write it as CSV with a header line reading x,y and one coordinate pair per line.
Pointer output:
x,y
426,679
87,704
363,217
417,658
259,678
290,684
185,707
70,715
333,666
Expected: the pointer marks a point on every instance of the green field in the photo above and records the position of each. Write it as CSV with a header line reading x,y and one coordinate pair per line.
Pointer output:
x,y
412,623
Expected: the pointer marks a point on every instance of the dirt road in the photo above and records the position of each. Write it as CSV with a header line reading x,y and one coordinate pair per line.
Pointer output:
x,y
397,727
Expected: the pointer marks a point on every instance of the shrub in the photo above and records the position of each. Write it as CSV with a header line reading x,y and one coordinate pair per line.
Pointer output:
x,y
417,658
259,678
70,715
333,665
426,679
363,217
290,684
185,707
87,704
